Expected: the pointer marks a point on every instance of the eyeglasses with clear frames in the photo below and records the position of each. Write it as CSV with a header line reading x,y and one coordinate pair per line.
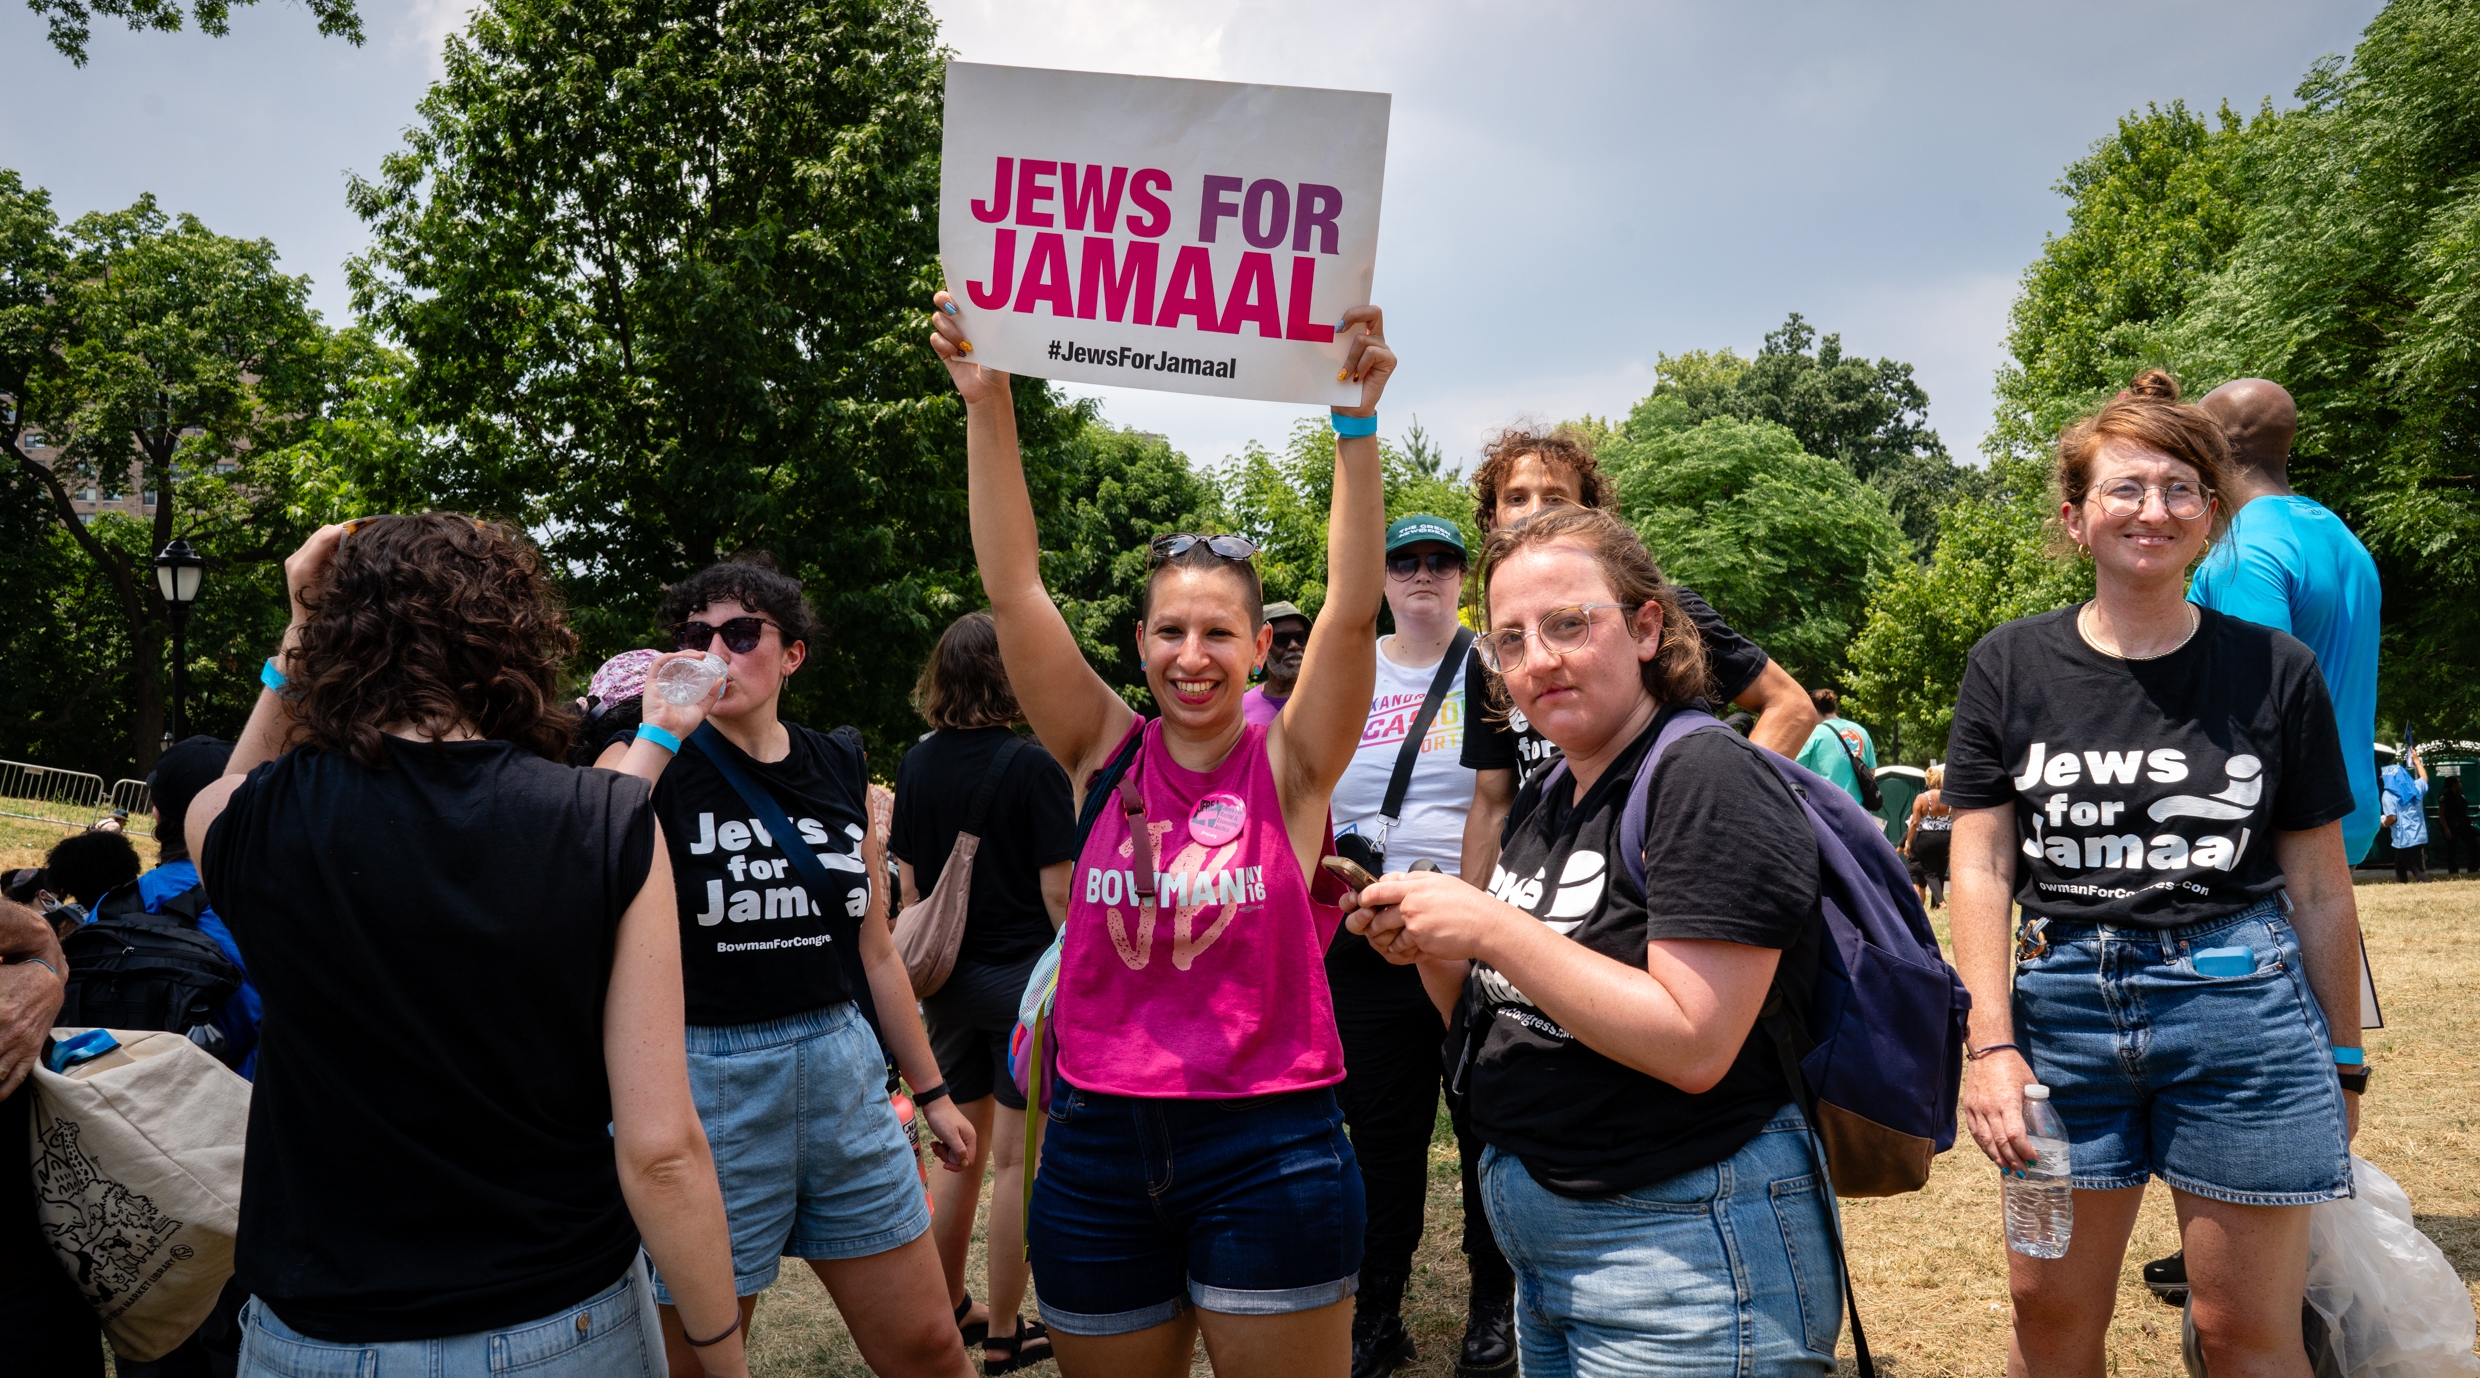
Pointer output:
x,y
2182,499
1561,631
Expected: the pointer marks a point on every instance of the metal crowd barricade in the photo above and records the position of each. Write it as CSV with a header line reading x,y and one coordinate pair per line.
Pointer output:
x,y
71,798
133,797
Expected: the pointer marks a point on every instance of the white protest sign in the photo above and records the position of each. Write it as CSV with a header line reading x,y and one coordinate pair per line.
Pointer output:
x,y
1187,236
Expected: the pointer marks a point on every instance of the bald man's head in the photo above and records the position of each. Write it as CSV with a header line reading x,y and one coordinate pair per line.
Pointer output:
x,y
2259,419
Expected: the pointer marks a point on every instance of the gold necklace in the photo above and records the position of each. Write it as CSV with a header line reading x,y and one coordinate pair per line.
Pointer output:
x,y
2195,619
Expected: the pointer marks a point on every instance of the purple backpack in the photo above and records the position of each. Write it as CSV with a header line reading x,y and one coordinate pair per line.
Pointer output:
x,y
1878,1052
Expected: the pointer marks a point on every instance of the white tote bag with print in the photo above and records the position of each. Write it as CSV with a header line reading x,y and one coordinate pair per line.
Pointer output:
x,y
137,1174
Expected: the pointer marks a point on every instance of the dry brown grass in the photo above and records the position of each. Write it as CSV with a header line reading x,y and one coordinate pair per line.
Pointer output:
x,y
1931,1266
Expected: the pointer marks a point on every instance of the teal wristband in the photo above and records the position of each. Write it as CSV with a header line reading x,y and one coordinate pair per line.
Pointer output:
x,y
1354,427
2351,1057
648,732
270,676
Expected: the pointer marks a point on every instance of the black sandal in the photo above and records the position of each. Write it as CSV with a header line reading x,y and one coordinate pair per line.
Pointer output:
x,y
1030,1345
976,1332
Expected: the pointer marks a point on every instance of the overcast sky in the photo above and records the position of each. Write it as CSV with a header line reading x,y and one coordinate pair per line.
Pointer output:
x,y
1571,189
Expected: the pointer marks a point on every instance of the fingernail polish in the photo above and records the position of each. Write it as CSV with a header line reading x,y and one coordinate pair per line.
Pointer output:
x,y
948,306
964,346
1343,375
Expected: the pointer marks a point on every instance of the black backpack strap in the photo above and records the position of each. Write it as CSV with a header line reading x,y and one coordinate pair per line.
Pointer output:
x,y
1399,784
1783,1028
979,812
842,928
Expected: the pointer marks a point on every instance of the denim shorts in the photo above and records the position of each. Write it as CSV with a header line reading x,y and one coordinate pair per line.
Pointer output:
x,y
2222,1086
613,1334
811,1157
1144,1207
1727,1269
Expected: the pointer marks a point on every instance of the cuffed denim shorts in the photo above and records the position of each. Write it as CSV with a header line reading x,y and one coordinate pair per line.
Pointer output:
x,y
1145,1207
613,1334
2222,1086
812,1159
1727,1269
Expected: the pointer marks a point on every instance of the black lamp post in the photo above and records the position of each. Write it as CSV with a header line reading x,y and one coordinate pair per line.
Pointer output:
x,y
179,574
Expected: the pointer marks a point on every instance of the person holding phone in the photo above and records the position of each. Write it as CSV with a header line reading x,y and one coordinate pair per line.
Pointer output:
x,y
785,1062
1194,1171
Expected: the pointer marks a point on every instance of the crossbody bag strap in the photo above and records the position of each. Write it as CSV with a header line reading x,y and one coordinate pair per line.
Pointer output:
x,y
842,929
1399,784
978,813
1132,803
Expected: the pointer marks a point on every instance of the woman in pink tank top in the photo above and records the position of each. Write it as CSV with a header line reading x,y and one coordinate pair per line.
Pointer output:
x,y
1194,1171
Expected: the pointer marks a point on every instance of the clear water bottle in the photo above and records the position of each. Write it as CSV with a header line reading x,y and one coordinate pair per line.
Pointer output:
x,y
2040,1209
684,682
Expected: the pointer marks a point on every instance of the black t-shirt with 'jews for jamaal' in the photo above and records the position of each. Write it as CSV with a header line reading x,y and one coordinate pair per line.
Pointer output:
x,y
755,944
2146,792
1729,857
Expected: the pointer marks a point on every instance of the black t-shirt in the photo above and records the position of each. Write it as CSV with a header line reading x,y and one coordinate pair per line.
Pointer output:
x,y
429,1147
1728,857
1031,825
1506,741
755,944
2146,791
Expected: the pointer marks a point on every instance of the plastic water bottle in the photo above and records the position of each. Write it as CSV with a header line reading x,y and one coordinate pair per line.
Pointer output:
x,y
684,682
2040,1209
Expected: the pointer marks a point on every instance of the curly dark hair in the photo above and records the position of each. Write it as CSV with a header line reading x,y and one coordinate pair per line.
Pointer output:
x,y
963,684
86,866
751,580
433,620
1560,449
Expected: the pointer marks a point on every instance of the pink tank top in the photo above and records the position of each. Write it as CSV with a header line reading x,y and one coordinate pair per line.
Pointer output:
x,y
1218,989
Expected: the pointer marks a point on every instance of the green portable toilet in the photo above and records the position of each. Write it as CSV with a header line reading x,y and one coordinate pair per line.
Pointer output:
x,y
1899,785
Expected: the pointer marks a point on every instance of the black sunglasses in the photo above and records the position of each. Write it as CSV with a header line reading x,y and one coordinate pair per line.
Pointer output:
x,y
1235,548
741,634
1440,562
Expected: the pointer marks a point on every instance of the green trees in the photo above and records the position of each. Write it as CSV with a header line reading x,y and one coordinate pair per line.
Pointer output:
x,y
1869,415
1785,544
663,265
71,21
2334,249
151,355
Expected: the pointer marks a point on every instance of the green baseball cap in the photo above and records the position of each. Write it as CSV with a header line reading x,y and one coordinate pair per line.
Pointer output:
x,y
1413,530
1275,611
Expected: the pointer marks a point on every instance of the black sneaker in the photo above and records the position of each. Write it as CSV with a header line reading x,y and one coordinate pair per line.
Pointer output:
x,y
2167,1277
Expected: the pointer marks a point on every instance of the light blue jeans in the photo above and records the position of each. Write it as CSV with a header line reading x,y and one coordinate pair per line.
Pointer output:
x,y
1727,1269
613,1334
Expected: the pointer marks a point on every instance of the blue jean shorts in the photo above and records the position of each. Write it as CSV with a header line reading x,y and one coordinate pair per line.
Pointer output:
x,y
2222,1086
1727,1269
812,1159
612,1334
1145,1207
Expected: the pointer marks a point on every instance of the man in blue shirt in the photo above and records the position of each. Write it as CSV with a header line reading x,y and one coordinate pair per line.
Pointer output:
x,y
2406,818
172,888
1835,743
2290,564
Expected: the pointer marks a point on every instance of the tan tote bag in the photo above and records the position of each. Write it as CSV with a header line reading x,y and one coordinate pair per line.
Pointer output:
x,y
929,934
137,1175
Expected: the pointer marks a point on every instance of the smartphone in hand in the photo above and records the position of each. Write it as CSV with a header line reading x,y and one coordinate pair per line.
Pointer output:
x,y
1351,872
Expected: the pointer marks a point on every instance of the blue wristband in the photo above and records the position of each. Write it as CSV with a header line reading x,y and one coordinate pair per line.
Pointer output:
x,y
648,732
1354,427
2351,1057
270,676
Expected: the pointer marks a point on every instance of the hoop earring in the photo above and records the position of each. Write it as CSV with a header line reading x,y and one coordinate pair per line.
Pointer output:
x,y
2085,551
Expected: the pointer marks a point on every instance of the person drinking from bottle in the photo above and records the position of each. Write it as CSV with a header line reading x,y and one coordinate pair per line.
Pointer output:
x,y
791,989
1194,1173
2160,788
1648,1172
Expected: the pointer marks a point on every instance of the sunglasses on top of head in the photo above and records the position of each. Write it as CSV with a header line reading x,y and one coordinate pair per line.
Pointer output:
x,y
1239,549
740,634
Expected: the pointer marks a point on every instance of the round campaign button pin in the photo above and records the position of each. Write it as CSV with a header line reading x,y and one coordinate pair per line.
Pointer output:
x,y
1217,819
